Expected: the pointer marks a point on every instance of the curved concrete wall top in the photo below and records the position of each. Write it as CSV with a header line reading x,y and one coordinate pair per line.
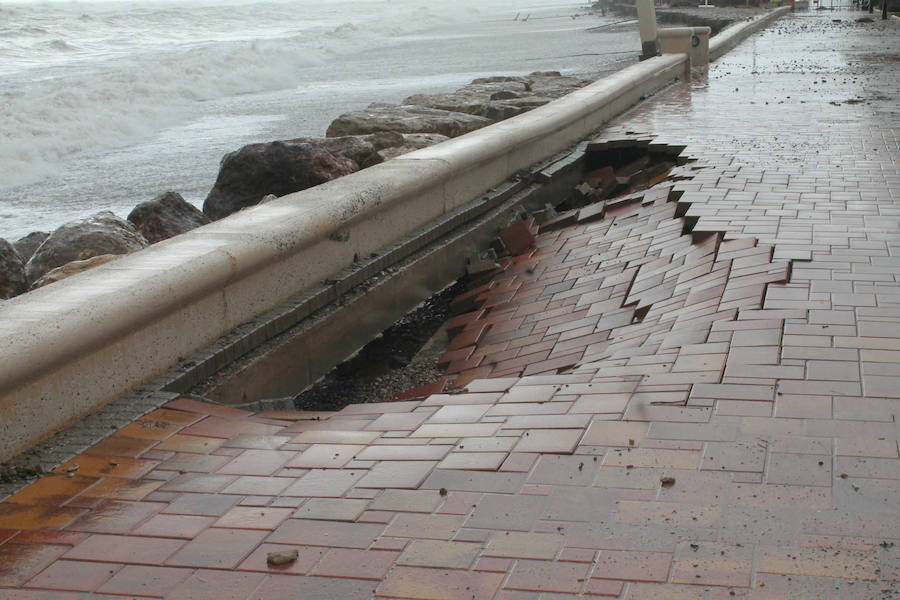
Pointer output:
x,y
78,343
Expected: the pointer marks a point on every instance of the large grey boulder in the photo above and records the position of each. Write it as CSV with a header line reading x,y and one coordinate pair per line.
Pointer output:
x,y
102,233
278,168
72,268
473,99
554,85
408,143
12,271
26,246
499,98
358,148
405,119
166,216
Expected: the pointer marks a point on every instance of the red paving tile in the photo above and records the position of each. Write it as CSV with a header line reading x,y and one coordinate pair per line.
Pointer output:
x,y
217,548
438,584
144,581
691,399
72,575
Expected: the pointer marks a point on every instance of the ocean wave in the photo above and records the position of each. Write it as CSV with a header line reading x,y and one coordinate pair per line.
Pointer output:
x,y
44,122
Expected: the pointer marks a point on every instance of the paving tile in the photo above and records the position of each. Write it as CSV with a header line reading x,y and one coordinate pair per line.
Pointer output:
x,y
632,566
652,458
209,505
103,466
52,490
663,513
478,461
216,585
396,474
121,445
19,562
113,516
514,544
307,557
563,470
614,433
159,424
217,548
438,584
124,549
505,512
706,563
734,456
312,588
459,413
307,532
424,526
604,587
257,462
797,469
135,580
420,501
197,482
547,576
335,437
257,485
440,554
407,452
772,586
456,430
174,526
190,443
330,483
562,441
253,517
74,575
822,562
331,509
356,564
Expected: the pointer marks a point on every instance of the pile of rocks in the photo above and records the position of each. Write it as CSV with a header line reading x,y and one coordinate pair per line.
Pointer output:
x,y
257,172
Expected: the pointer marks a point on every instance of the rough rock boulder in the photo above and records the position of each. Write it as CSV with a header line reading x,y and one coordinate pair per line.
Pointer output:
x,y
166,216
409,143
499,98
405,119
358,148
102,233
28,245
278,168
72,268
12,271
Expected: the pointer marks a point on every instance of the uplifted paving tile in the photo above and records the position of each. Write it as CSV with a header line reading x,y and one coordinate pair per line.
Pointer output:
x,y
562,441
396,474
476,461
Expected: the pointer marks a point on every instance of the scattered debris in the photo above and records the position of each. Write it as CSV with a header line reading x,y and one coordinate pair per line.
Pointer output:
x,y
282,557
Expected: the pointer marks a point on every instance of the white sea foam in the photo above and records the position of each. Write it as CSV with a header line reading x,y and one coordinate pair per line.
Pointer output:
x,y
88,76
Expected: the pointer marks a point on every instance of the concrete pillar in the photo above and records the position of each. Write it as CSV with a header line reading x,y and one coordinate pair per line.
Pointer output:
x,y
700,47
675,40
646,10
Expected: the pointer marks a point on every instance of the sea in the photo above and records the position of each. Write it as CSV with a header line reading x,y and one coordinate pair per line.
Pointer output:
x,y
104,105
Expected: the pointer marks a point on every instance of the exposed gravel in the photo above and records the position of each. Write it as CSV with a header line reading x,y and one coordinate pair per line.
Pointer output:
x,y
403,357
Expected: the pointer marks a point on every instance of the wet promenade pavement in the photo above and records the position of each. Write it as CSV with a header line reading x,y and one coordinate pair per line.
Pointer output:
x,y
679,400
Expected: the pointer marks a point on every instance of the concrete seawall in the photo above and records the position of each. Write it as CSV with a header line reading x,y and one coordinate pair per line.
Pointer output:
x,y
77,344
